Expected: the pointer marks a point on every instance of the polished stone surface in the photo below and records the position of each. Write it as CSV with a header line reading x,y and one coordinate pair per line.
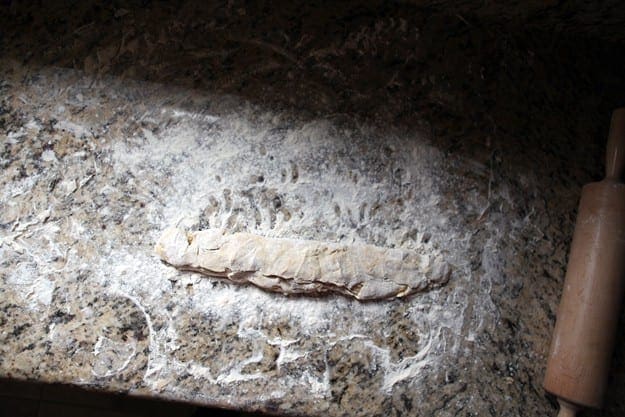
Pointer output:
x,y
348,124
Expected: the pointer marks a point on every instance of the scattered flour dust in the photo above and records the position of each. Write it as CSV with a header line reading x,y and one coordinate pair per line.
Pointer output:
x,y
198,160
112,357
35,288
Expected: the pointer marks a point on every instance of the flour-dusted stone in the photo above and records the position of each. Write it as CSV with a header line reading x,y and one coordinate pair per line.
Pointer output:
x,y
294,266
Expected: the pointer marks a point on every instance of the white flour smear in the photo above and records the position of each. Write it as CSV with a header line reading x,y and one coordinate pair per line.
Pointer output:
x,y
225,165
243,169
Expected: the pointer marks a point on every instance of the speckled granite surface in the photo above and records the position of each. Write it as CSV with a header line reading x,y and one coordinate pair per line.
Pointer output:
x,y
344,123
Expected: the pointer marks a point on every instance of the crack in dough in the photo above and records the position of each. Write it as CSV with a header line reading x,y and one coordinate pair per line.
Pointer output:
x,y
308,267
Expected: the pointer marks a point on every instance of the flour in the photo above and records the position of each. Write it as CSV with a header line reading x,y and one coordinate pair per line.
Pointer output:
x,y
231,170
242,169
34,288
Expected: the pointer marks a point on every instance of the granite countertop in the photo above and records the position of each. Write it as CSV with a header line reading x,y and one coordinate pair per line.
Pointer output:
x,y
391,127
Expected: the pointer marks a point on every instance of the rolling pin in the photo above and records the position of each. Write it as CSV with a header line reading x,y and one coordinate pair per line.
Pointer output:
x,y
587,318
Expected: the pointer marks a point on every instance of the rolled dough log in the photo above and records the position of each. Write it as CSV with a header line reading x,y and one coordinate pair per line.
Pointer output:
x,y
292,266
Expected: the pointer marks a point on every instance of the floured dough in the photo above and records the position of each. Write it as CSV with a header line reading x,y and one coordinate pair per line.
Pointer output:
x,y
293,266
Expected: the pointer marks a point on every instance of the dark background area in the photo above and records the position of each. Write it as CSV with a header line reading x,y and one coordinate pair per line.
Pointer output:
x,y
30,399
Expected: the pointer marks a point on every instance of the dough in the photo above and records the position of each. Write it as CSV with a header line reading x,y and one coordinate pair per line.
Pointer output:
x,y
292,266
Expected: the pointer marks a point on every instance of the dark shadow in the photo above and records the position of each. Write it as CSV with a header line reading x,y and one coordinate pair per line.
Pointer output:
x,y
615,397
34,399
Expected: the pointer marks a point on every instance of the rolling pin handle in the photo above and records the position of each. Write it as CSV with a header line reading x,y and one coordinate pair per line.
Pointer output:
x,y
567,409
615,150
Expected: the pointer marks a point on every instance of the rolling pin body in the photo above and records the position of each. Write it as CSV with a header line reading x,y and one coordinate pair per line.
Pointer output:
x,y
587,318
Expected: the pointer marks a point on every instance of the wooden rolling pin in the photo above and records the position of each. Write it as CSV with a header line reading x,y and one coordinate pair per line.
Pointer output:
x,y
584,336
